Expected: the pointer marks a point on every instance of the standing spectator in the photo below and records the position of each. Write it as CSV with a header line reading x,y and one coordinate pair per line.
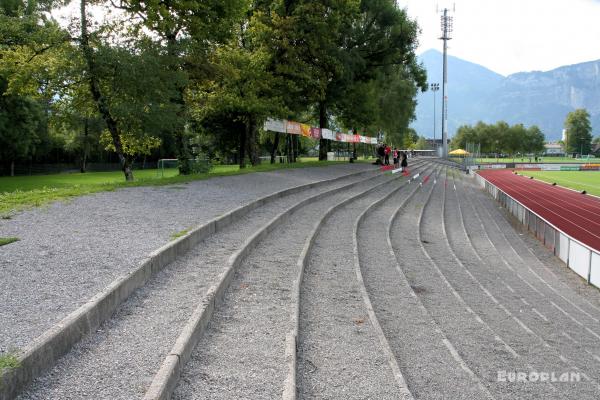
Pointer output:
x,y
387,151
403,161
380,154
396,155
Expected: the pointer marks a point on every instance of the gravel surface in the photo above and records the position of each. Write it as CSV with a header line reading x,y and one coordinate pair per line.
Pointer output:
x,y
145,328
474,297
473,280
69,251
242,355
549,337
429,369
339,354
550,268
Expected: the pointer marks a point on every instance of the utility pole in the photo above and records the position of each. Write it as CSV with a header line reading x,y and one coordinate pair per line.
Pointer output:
x,y
446,24
434,88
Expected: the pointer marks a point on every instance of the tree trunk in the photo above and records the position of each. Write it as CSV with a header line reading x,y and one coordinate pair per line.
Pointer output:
x,y
252,140
354,131
12,168
86,131
296,139
274,148
99,99
181,140
324,145
242,148
288,148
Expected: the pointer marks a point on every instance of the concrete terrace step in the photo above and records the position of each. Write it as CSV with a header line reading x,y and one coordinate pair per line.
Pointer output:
x,y
143,330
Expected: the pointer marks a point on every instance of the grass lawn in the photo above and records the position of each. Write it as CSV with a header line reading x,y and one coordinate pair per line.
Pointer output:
x,y
20,192
8,361
8,240
578,180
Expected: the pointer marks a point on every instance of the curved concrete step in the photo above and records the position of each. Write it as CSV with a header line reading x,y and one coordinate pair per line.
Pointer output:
x,y
242,353
431,370
545,335
138,337
339,353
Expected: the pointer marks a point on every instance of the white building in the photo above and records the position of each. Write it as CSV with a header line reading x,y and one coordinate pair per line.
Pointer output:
x,y
553,149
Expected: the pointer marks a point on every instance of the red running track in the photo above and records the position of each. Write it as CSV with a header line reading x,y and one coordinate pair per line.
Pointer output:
x,y
575,214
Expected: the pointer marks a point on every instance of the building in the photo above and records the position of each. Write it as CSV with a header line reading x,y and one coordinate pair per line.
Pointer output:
x,y
553,149
436,143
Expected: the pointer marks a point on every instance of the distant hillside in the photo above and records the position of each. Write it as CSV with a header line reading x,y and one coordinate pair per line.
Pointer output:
x,y
475,93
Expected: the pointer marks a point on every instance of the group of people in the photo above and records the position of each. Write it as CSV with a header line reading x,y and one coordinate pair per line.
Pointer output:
x,y
399,157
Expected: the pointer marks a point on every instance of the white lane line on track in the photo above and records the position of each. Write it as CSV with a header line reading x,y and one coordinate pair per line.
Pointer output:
x,y
534,199
540,192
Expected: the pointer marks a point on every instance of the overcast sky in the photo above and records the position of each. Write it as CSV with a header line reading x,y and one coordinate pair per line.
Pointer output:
x,y
510,36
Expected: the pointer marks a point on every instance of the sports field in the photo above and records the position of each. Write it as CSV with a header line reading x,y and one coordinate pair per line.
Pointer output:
x,y
578,180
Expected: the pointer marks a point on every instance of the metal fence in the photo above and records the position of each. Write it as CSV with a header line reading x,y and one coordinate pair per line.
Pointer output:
x,y
581,258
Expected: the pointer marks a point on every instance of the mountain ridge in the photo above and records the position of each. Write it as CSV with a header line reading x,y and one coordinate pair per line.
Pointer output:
x,y
476,93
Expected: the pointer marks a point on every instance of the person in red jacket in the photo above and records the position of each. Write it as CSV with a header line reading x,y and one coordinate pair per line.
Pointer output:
x,y
387,151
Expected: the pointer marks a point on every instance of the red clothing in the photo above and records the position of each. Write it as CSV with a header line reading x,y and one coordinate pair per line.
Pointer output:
x,y
388,149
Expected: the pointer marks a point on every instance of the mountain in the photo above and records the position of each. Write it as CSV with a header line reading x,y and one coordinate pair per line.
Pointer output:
x,y
533,98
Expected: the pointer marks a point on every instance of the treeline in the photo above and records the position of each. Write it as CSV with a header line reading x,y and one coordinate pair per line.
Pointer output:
x,y
500,138
197,78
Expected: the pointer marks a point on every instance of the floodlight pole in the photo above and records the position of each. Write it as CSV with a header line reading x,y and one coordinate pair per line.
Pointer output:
x,y
446,23
434,88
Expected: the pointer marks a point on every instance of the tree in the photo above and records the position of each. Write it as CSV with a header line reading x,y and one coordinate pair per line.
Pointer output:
x,y
410,138
130,88
21,119
422,144
379,50
190,30
579,132
500,138
534,141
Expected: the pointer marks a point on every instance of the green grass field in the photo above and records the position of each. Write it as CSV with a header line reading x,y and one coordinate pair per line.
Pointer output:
x,y
578,180
20,192
547,160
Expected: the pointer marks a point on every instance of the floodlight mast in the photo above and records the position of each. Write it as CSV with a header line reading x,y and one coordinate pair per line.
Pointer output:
x,y
434,88
446,25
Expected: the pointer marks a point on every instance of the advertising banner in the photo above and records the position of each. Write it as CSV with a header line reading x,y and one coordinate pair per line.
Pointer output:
x,y
296,128
315,133
590,167
550,167
305,130
327,134
293,128
275,125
